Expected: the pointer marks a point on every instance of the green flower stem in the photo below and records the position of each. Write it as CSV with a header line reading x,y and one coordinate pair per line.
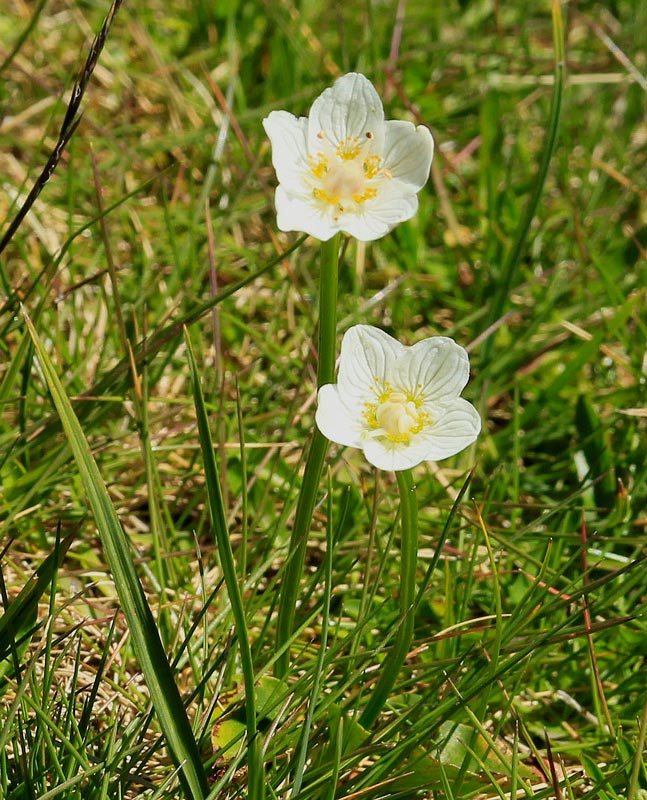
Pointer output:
x,y
316,455
409,560
328,311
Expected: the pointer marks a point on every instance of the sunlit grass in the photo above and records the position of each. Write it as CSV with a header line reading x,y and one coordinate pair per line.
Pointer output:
x,y
525,675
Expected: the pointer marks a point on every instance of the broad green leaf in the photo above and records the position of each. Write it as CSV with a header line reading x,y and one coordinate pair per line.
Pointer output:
x,y
227,738
461,744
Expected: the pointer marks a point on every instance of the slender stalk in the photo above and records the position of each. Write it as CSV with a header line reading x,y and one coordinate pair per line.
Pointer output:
x,y
321,658
316,455
409,559
513,260
637,767
494,650
328,311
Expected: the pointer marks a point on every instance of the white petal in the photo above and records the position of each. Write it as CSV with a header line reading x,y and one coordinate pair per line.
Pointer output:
x,y
436,368
350,108
335,420
408,151
451,433
287,135
367,354
455,429
382,214
297,212
365,227
392,456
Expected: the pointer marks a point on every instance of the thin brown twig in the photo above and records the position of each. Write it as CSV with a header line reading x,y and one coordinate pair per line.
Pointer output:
x,y
112,270
553,770
238,131
394,52
68,127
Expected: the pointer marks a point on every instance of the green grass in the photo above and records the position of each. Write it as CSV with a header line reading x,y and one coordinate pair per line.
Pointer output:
x,y
526,672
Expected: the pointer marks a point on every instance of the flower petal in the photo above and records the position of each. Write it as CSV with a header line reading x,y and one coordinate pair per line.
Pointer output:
x,y
297,212
288,136
436,369
367,356
334,419
381,214
451,433
408,152
374,371
351,108
391,456
365,227
455,429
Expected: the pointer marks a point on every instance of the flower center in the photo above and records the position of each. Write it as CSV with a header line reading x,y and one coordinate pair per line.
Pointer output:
x,y
343,177
396,416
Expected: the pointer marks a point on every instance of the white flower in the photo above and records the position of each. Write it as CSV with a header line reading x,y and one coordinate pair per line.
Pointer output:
x,y
345,168
399,404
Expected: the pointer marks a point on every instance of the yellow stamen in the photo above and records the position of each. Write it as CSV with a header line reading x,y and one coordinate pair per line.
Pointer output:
x,y
322,194
318,165
372,166
367,194
349,149
395,416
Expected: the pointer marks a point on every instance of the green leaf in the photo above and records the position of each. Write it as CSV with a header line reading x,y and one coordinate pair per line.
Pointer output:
x,y
146,641
256,786
227,738
462,745
514,256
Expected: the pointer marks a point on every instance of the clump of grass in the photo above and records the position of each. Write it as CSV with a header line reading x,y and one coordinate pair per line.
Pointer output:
x,y
524,677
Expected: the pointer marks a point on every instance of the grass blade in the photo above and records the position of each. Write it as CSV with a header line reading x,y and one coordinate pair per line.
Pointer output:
x,y
219,522
513,260
18,622
145,637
